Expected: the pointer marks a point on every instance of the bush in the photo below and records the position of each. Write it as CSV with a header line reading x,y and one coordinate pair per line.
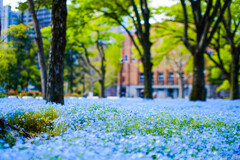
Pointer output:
x,y
2,95
23,93
35,123
13,93
73,95
76,95
30,93
37,93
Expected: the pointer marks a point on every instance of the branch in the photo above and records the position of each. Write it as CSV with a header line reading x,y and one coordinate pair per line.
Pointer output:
x,y
229,34
88,60
185,37
226,4
206,15
129,15
236,29
219,66
187,78
196,11
128,32
139,25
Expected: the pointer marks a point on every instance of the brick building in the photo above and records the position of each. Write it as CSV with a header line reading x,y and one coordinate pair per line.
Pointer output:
x,y
165,83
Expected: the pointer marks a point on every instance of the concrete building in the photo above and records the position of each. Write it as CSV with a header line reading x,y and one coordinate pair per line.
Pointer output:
x,y
164,80
8,18
1,7
43,16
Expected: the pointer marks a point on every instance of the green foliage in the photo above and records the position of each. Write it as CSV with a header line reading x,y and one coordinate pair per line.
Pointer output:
x,y
23,70
215,73
224,86
35,122
7,61
30,93
170,50
2,95
38,4
85,29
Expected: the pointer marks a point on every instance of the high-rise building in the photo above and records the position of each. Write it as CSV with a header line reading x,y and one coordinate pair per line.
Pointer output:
x,y
1,6
8,18
43,16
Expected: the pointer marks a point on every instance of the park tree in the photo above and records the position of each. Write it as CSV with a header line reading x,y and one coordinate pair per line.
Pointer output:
x,y
33,6
139,15
206,22
231,24
226,45
75,69
172,52
7,62
57,49
24,71
92,36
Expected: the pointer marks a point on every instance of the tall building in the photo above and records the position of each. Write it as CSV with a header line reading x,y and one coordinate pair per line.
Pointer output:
x,y
8,18
43,16
1,6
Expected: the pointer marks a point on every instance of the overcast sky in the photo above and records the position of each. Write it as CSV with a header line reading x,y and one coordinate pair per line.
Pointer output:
x,y
14,3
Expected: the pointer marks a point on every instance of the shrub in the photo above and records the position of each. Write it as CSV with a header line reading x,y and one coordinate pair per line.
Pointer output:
x,y
73,95
37,93
2,95
76,95
13,93
23,93
35,123
30,93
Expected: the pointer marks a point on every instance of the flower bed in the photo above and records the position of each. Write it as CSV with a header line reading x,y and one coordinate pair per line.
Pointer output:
x,y
127,129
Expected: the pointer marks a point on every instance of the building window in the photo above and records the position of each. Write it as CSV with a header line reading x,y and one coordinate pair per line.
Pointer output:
x,y
133,60
125,58
141,78
160,78
182,75
171,78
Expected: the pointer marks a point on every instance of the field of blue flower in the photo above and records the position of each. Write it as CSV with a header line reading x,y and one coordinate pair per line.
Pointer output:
x,y
126,129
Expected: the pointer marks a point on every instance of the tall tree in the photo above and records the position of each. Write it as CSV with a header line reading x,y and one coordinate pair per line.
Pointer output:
x,y
39,42
57,49
205,25
139,14
94,36
25,71
231,24
172,52
226,45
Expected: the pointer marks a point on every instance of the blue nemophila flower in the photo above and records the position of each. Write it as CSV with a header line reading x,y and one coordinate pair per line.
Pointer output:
x,y
128,129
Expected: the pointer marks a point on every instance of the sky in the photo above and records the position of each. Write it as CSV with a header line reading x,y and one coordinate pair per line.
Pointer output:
x,y
14,3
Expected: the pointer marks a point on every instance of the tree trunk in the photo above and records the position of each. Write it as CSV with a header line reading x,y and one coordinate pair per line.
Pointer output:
x,y
102,81
198,85
102,88
146,60
92,81
234,90
57,49
41,58
71,78
120,86
180,86
83,82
